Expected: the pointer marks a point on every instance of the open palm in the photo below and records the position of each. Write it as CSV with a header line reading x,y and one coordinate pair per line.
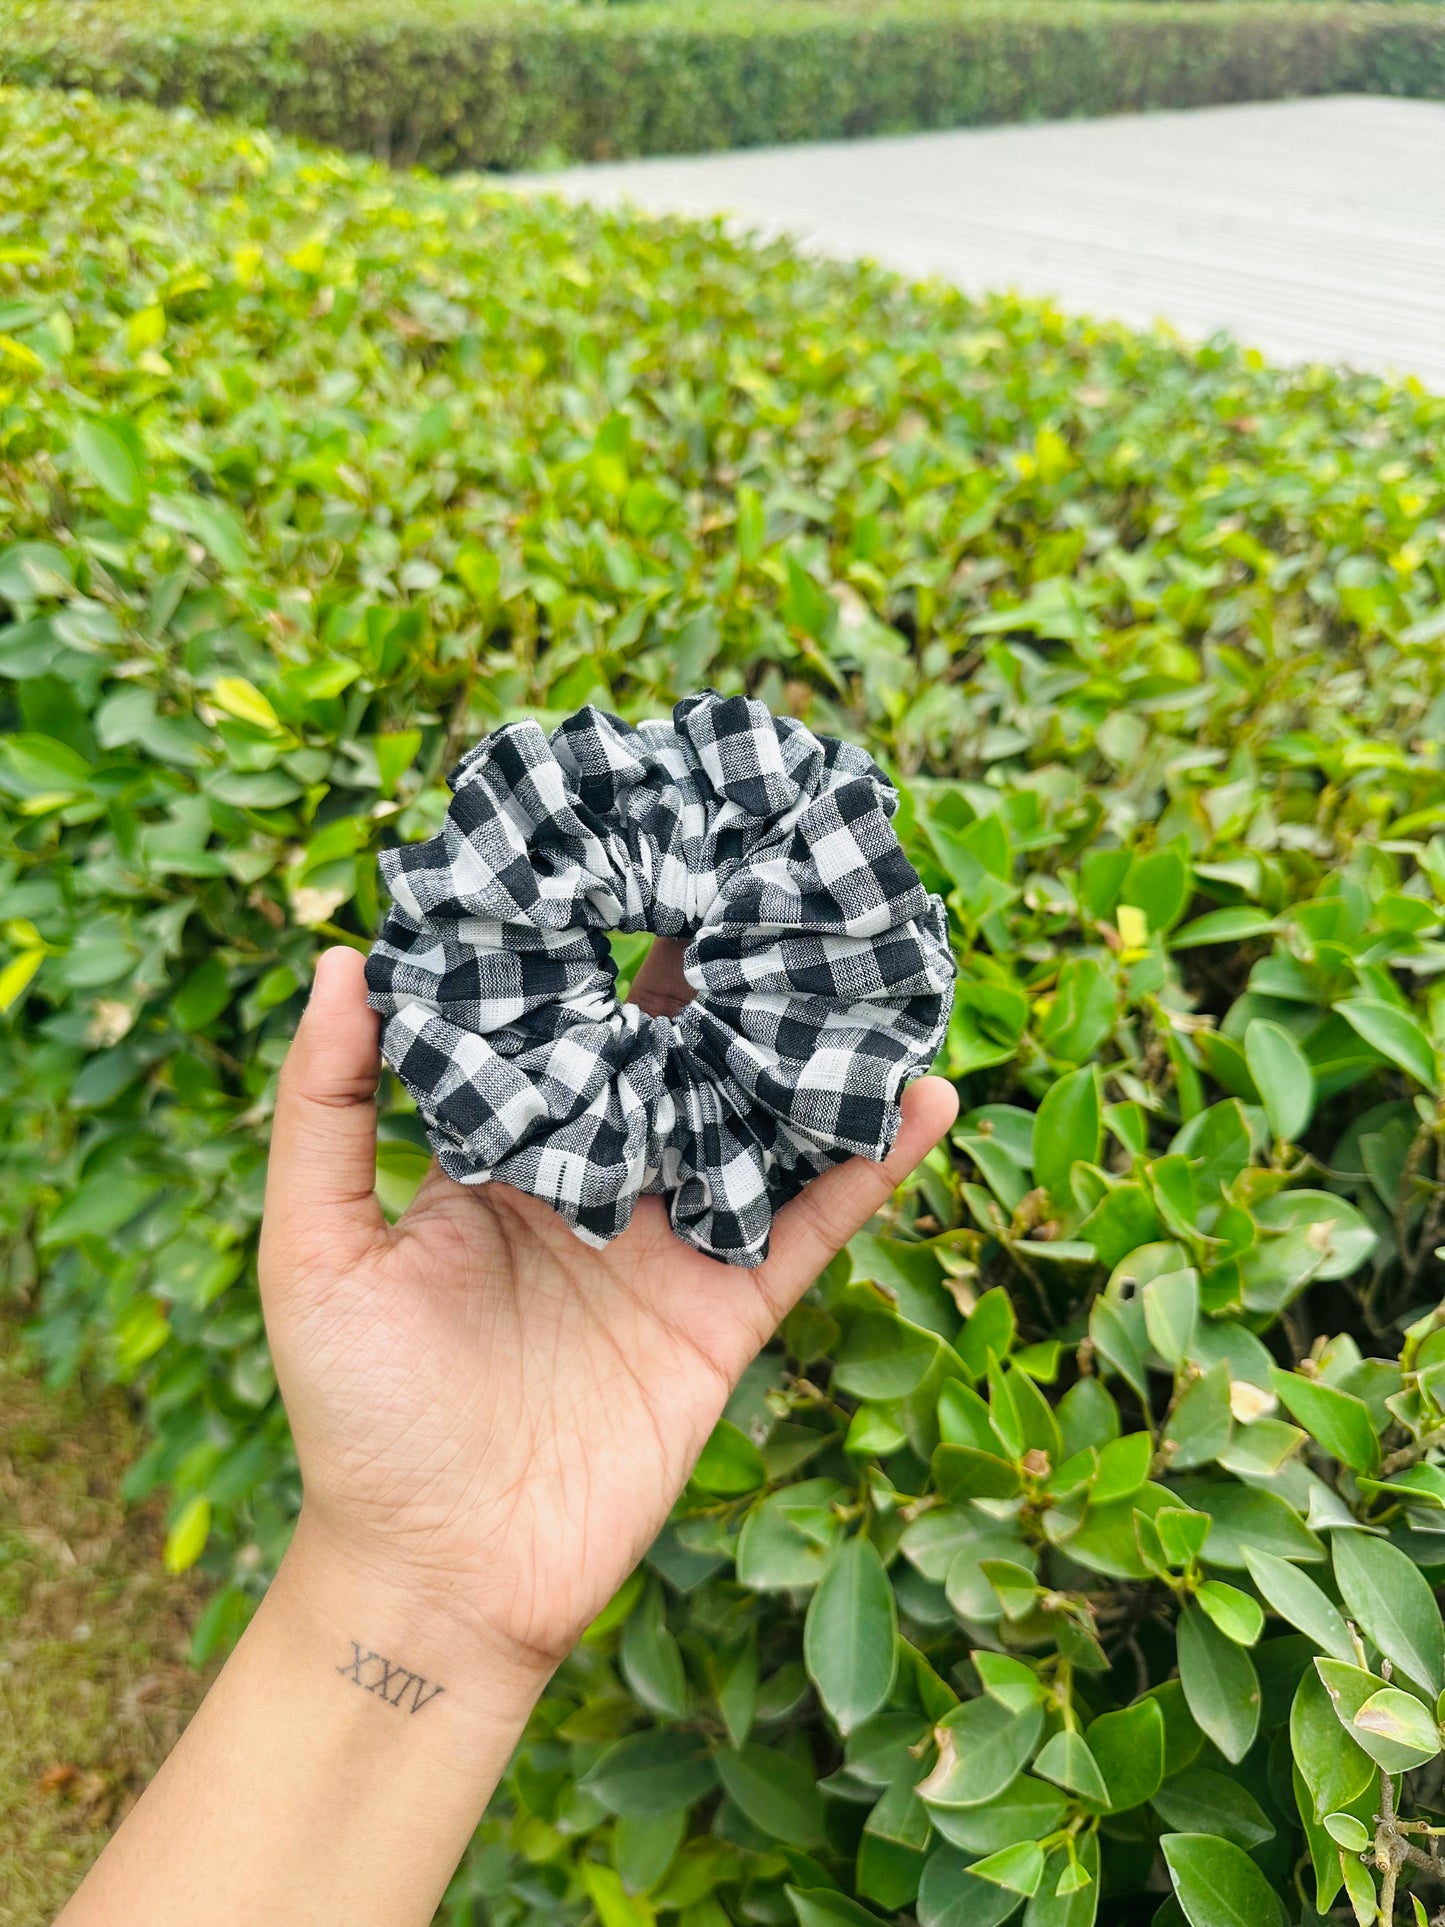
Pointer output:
x,y
482,1405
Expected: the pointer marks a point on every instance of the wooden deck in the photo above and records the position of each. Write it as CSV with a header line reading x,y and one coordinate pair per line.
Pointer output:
x,y
1311,229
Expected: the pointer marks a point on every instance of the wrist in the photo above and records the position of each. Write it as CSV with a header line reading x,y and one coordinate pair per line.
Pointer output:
x,y
407,1639
336,1769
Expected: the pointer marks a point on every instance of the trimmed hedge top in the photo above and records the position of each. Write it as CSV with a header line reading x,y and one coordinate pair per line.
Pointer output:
x,y
484,83
101,19
1022,1572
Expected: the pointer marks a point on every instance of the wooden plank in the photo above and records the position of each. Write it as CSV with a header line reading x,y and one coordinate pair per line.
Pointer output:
x,y
1311,229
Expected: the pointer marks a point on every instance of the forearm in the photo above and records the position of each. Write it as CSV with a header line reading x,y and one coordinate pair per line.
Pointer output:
x,y
335,1771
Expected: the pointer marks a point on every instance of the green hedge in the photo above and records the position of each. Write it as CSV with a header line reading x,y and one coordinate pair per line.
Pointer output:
x,y
310,474
500,87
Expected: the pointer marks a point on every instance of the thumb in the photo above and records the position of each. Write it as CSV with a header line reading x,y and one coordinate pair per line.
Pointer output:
x,y
321,1179
659,986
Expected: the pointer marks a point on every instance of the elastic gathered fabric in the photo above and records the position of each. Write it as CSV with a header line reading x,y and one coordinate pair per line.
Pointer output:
x,y
821,967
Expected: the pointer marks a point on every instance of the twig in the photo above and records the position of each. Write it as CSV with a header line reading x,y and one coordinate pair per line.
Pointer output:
x,y
1409,1454
1388,1849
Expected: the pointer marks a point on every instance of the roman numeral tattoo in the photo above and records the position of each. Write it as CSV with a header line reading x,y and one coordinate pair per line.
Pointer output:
x,y
374,1674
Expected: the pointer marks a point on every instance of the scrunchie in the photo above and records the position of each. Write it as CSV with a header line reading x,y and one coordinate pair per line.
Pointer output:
x,y
821,967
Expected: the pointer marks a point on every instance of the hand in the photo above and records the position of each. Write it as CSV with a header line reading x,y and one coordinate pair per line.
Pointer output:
x,y
489,1415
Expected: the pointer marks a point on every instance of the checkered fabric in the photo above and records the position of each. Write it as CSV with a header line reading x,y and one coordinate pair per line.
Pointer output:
x,y
821,968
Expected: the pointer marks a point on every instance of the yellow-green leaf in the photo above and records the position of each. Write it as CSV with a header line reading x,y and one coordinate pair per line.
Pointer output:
x,y
244,700
17,976
186,1540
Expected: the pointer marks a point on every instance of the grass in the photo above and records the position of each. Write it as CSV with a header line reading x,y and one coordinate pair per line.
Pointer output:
x,y
95,1684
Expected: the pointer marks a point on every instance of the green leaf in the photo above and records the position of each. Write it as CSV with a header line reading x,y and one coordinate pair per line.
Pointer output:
x,y
1009,1680
737,1693
1123,1466
1223,926
1128,1747
651,1773
880,1751
1015,1587
1348,1687
1336,1238
948,1545
1199,1800
1067,1761
989,1329
1068,1894
1360,1886
1296,1597
1088,1416
1083,1012
651,1658
1030,1417
109,461
1183,1740
822,1907
212,523
1237,1615
1348,1832
964,1419
1108,1542
729,1463
1067,1128
1124,1219
950,1894
643,1847
1335,1768
786,1538
39,763
270,789
1396,1035
1219,1683
1340,1421
982,1746
395,751
1282,1073
1217,1144
1201,1425
30,571
1396,1731
1118,1335
777,1792
1158,884
1246,1517
1027,1809
884,1357
961,1474
1018,1867
850,1636
1390,1598
1217,1884
1171,1309
100,1207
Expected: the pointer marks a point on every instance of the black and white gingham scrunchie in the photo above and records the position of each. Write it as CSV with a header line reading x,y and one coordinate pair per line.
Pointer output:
x,y
821,967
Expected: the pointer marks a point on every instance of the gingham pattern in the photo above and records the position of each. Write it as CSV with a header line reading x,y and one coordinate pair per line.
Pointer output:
x,y
821,967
